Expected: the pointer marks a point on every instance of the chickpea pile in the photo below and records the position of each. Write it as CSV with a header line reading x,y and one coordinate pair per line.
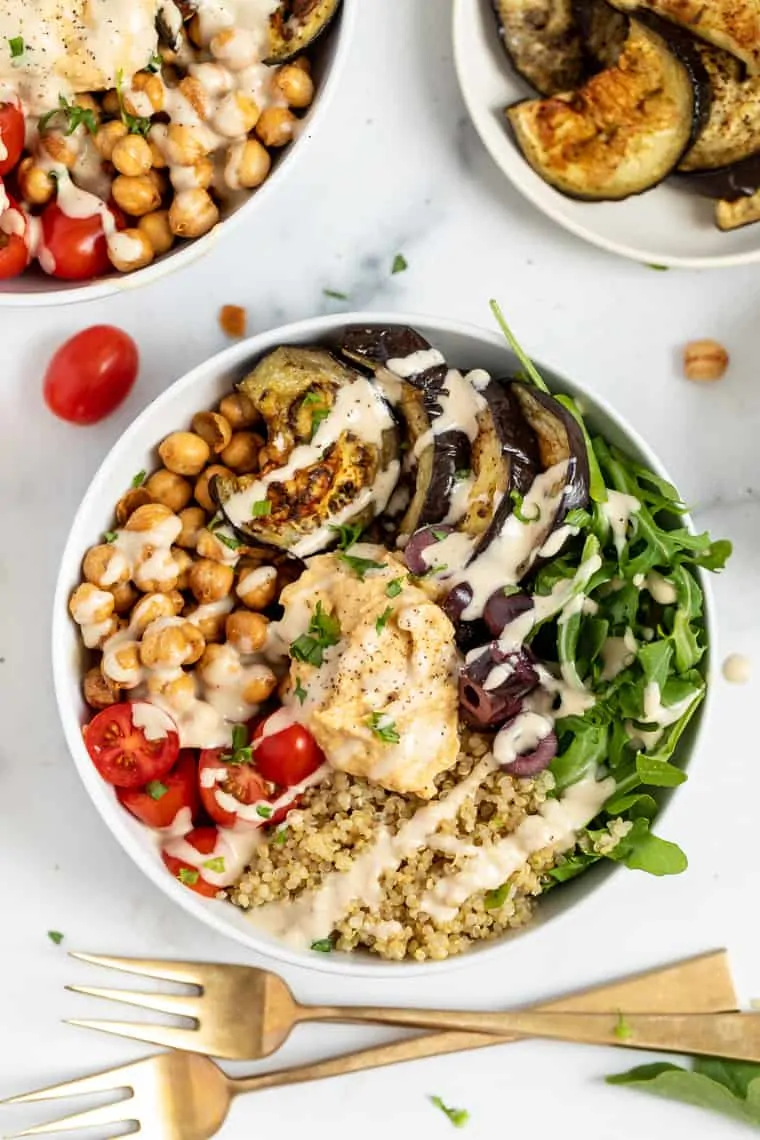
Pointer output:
x,y
164,603
174,142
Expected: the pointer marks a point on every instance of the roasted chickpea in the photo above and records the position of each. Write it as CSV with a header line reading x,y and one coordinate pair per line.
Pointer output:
x,y
157,155
235,47
128,503
170,646
210,620
705,360
155,226
198,176
105,566
303,62
201,490
242,452
110,102
129,249
150,609
184,146
239,411
107,137
131,155
122,665
246,631
99,692
248,164
156,572
210,545
150,84
257,588
295,85
56,147
183,562
90,605
124,597
193,521
184,453
275,126
169,488
160,180
35,184
179,691
193,28
136,196
176,597
210,581
96,636
214,428
259,685
149,516
196,95
237,115
193,213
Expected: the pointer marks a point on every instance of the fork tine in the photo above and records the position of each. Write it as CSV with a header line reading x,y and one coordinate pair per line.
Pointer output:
x,y
108,1081
171,971
166,1035
118,1112
178,1004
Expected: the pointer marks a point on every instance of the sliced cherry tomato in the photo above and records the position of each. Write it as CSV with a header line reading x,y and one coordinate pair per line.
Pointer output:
x,y
91,374
241,781
286,757
160,802
12,132
14,248
126,754
204,840
77,246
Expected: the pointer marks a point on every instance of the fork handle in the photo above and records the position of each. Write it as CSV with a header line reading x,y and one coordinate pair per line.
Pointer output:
x,y
733,1035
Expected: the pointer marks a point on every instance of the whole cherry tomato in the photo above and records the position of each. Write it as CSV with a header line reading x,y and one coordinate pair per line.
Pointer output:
x,y
91,374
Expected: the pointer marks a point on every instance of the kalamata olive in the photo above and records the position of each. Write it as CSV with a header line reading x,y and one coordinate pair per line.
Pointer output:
x,y
502,608
420,541
493,684
531,763
468,634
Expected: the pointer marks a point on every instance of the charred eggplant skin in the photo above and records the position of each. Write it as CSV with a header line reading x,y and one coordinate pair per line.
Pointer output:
x,y
296,24
542,42
559,438
739,180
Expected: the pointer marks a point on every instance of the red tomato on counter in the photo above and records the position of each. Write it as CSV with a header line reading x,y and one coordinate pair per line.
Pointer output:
x,y
12,133
203,840
159,803
126,754
91,374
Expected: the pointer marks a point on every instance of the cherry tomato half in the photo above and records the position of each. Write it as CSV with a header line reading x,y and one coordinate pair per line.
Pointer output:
x,y
241,781
14,250
77,246
91,374
204,840
126,754
160,802
286,757
12,132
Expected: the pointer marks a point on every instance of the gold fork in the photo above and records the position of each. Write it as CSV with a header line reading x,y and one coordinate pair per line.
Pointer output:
x,y
243,1013
183,1096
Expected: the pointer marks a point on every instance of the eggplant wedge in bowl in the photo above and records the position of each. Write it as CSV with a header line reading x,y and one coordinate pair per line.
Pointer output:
x,y
417,646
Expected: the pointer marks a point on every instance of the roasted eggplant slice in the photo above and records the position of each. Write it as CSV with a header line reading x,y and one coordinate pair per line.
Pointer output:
x,y
732,130
734,215
622,132
603,31
542,41
733,25
346,475
296,24
740,180
559,438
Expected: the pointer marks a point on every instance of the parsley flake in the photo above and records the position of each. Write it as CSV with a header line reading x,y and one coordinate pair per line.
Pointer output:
x,y
399,263
280,836
228,540
493,900
394,588
382,621
517,509
457,1116
439,535
111,535
336,296
317,416
323,945
360,566
135,124
216,865
16,46
73,116
382,728
155,63
156,790
264,811
188,876
242,752
348,534
323,631
139,479
622,1029
299,691
55,936
462,474
261,508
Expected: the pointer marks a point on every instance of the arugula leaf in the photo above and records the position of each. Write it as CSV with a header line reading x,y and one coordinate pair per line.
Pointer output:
x,y
360,566
658,773
587,750
531,371
655,660
317,417
596,488
492,900
730,1088
572,866
642,851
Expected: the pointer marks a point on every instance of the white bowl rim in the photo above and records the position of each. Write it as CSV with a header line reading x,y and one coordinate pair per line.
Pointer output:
x,y
114,816
185,255
646,257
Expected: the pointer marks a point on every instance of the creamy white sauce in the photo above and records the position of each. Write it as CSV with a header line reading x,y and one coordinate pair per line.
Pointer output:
x,y
617,654
557,540
618,510
654,712
547,605
460,404
261,812
737,669
415,362
254,580
520,736
660,589
155,723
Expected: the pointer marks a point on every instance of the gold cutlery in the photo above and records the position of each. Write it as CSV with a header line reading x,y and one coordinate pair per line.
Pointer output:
x,y
243,1013
183,1096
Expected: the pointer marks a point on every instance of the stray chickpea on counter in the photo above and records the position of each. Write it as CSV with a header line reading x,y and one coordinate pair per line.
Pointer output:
x,y
128,127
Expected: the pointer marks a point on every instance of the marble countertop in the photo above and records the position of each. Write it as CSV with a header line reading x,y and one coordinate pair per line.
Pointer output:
x,y
396,167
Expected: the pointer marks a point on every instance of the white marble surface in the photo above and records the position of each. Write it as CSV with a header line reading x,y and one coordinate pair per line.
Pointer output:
x,y
396,168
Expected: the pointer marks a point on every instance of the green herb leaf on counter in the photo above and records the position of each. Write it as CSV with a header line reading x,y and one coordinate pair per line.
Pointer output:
x,y
336,296
659,268
261,508
110,535
382,621
216,865
228,540
156,790
55,936
348,534
323,631
622,1029
16,46
517,509
360,566
399,263
264,811
730,1088
73,116
138,479
242,751
382,728
300,692
394,588
188,876
457,1116
323,946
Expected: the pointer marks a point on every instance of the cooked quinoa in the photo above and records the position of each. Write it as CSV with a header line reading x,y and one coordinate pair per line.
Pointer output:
x,y
340,818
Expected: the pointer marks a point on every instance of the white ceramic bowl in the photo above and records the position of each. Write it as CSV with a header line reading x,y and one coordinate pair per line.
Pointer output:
x,y
463,345
329,55
665,226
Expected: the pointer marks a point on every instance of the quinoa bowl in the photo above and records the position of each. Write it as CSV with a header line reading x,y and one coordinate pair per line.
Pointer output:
x,y
387,843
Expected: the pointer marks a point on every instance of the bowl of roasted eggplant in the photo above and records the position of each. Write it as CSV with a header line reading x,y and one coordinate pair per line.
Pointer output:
x,y
391,651
635,124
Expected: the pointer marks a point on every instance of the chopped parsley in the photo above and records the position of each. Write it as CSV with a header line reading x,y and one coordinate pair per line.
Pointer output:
x,y
348,534
135,124
323,631
228,540
439,535
659,268
382,728
138,479
299,691
335,294
457,1116
111,535
17,46
280,836
394,588
323,945
509,590
261,508
216,864
55,936
73,116
242,752
360,566
156,790
399,263
493,900
622,1029
382,621
517,509
462,474
437,569
155,63
317,416
187,876
264,811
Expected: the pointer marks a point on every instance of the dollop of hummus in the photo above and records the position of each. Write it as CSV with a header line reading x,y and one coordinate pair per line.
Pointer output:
x,y
383,701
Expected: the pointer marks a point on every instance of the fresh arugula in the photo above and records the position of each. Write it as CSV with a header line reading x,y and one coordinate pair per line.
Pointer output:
x,y
730,1088
323,631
